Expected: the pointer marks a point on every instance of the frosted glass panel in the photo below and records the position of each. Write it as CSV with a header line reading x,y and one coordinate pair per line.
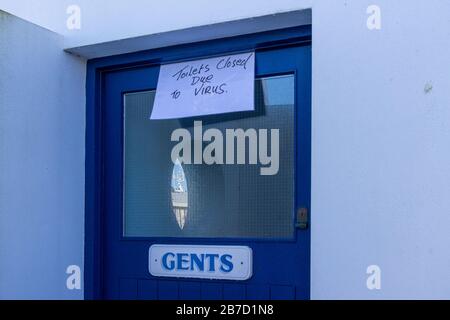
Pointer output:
x,y
167,199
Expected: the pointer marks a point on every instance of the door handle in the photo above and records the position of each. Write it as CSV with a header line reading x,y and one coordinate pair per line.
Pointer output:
x,y
302,218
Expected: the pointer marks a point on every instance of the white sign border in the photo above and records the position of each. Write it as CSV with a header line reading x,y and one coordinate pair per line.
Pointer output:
x,y
206,275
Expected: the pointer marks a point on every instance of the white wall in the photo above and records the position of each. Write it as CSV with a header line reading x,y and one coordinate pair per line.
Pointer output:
x,y
42,124
381,150
380,171
106,20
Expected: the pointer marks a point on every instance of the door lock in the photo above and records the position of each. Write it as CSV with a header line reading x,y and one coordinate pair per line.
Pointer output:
x,y
302,218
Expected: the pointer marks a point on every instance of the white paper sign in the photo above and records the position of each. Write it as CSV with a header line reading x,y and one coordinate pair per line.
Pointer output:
x,y
208,86
194,261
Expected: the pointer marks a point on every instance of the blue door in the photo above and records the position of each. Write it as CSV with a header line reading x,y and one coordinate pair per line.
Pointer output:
x,y
229,204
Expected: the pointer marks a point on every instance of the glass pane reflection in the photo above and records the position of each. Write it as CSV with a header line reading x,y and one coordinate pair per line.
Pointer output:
x,y
179,194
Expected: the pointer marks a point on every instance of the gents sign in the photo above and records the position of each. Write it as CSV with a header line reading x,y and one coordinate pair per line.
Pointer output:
x,y
207,86
211,262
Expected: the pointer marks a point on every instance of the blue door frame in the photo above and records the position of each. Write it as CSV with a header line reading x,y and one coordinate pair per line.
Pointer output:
x,y
95,196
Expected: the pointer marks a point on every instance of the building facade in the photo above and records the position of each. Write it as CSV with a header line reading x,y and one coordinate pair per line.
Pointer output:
x,y
370,84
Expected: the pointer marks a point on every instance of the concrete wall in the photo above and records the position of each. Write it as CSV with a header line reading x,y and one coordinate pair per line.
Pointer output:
x,y
381,150
42,124
381,119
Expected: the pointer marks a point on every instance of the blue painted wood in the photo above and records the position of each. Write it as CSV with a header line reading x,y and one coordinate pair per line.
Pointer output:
x,y
212,291
190,290
128,289
168,290
147,289
258,292
282,293
233,291
108,256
